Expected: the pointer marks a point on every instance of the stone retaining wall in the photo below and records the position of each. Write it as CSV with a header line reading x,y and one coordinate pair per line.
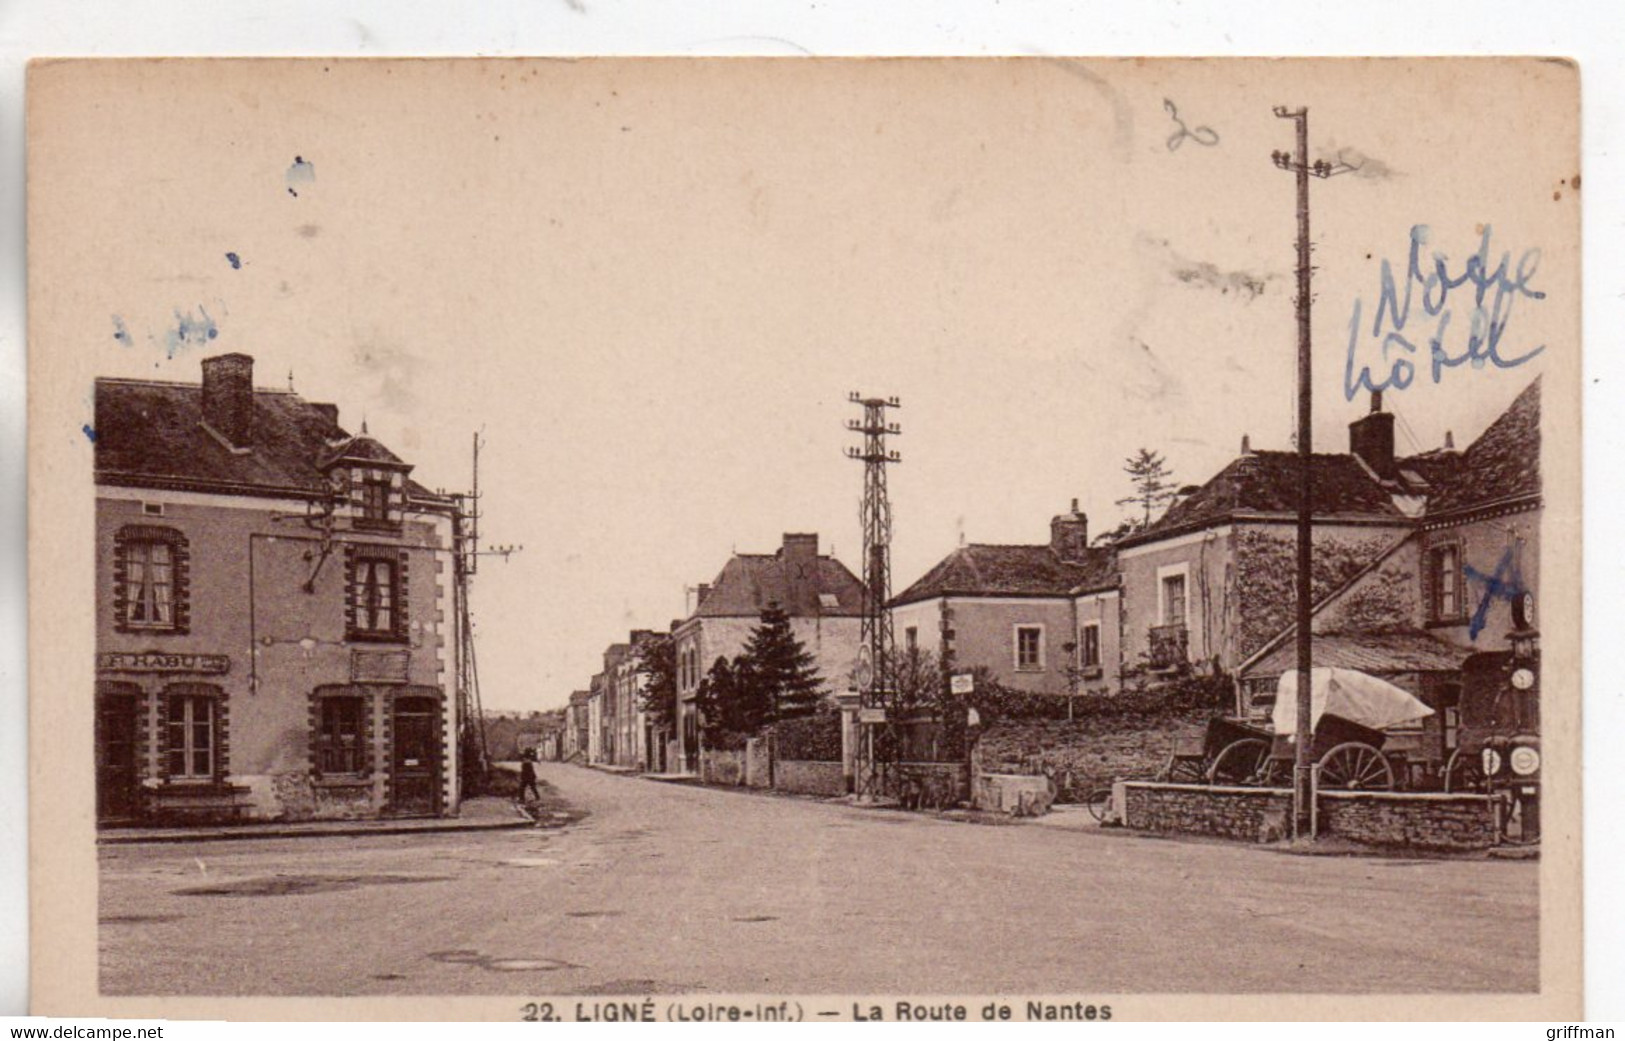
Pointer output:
x,y
1247,814
806,777
1419,820
1400,820
1087,753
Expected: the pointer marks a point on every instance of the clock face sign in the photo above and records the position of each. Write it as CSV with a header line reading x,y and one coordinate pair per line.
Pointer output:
x,y
1524,760
863,674
1523,679
1523,610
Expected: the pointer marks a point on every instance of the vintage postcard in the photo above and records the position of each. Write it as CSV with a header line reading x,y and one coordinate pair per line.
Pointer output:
x,y
655,539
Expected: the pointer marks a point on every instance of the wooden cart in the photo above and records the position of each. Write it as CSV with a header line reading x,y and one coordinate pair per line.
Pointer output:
x,y
1238,752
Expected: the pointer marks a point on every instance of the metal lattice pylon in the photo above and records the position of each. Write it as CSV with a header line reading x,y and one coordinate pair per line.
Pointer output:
x,y
877,653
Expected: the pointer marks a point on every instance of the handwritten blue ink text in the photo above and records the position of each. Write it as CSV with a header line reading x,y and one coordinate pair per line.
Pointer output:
x,y
1489,291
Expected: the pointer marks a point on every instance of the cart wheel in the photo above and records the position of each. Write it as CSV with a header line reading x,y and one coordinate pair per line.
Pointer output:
x,y
1463,773
1241,762
1355,766
1183,770
1100,803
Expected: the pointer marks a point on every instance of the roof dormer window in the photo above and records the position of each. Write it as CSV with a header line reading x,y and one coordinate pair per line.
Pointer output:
x,y
377,498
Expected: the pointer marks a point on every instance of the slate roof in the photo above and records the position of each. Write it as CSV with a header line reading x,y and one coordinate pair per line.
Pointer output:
x,y
1503,464
1402,650
750,582
1267,482
363,448
986,570
150,434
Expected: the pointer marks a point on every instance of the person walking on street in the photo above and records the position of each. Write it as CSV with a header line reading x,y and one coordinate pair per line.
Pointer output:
x,y
527,776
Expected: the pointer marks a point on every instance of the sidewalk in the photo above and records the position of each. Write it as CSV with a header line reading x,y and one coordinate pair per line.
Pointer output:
x,y
673,778
485,813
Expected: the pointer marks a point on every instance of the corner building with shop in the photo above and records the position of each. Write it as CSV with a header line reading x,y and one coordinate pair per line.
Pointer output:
x,y
275,611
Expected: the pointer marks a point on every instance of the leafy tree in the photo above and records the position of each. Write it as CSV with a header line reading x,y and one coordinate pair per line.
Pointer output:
x,y
655,659
1153,484
917,680
779,678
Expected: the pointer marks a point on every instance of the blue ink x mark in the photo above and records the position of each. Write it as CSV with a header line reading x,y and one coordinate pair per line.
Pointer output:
x,y
90,432
1505,584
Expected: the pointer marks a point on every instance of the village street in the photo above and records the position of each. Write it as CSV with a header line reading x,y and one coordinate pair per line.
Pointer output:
x,y
668,888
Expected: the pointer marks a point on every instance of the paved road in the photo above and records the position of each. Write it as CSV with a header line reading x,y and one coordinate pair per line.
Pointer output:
x,y
669,888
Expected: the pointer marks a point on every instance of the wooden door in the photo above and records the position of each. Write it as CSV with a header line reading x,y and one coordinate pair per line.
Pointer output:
x,y
415,758
115,757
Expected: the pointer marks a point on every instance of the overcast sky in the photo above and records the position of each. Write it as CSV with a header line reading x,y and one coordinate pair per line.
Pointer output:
x,y
652,286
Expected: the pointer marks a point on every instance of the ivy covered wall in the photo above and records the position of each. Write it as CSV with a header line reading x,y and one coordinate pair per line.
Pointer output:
x,y
1265,573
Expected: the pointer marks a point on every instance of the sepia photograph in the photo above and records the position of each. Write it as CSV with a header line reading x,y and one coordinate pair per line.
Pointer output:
x,y
790,539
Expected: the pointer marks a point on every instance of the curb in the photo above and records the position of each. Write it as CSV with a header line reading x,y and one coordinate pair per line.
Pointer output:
x,y
227,835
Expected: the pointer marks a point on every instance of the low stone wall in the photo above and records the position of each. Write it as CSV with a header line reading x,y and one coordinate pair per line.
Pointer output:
x,y
722,767
1247,814
1410,820
1396,820
1087,753
806,777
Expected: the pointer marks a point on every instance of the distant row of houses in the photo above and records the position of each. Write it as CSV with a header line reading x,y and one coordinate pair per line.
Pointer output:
x,y
1420,561
606,724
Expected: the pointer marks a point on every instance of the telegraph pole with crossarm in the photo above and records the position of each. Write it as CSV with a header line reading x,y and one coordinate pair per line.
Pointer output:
x,y
1297,162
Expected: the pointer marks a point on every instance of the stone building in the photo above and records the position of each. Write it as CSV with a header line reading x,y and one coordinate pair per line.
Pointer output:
x,y
1461,580
1041,618
275,629
1212,581
822,597
575,740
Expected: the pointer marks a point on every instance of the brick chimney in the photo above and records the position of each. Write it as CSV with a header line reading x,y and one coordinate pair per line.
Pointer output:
x,y
799,548
228,397
1371,437
1069,534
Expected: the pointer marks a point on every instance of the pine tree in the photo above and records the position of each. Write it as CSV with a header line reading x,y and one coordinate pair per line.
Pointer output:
x,y
781,673
716,696
1152,485
732,698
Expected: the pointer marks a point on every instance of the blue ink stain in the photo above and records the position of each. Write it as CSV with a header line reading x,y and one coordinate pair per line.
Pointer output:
x,y
299,174
90,432
190,332
120,333
1505,584
235,261
1502,284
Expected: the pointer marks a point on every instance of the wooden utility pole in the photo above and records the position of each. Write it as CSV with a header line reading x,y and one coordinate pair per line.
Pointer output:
x,y
1298,163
